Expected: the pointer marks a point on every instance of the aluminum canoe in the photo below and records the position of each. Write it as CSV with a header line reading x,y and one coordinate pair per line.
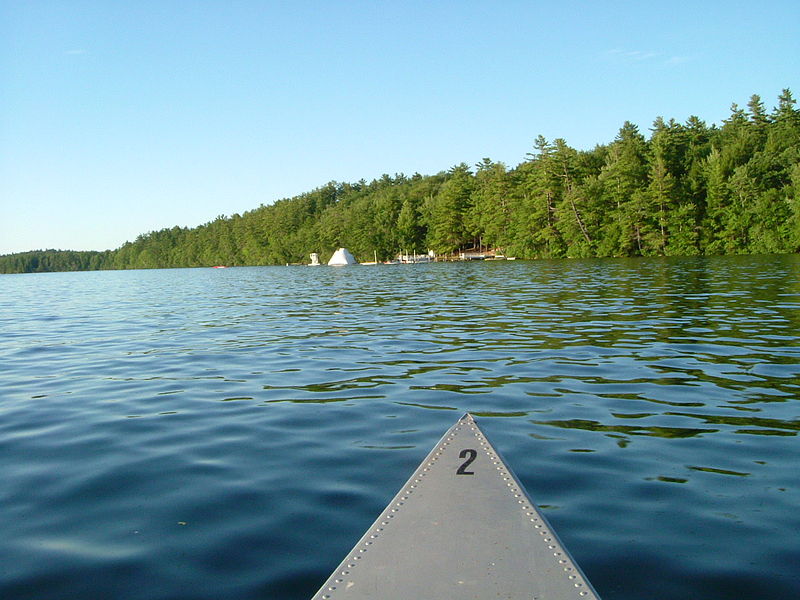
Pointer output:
x,y
462,527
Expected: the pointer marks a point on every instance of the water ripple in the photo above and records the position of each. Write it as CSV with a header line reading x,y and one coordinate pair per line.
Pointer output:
x,y
229,433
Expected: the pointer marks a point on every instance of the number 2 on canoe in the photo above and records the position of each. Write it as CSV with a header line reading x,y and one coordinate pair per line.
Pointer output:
x,y
472,454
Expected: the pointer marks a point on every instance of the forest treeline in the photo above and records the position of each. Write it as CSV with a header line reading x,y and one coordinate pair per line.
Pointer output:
x,y
687,189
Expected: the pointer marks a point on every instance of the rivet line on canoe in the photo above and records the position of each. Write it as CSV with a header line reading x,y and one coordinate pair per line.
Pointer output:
x,y
528,512
527,508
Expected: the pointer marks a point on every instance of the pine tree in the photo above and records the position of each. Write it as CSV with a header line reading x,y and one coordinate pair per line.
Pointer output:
x,y
445,213
625,173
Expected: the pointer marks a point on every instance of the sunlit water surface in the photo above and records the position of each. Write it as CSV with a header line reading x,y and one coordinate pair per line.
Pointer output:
x,y
207,434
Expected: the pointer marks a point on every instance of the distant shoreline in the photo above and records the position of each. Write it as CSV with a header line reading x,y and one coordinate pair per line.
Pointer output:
x,y
689,189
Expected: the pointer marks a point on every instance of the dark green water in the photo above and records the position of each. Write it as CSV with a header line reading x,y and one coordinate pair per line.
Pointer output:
x,y
193,434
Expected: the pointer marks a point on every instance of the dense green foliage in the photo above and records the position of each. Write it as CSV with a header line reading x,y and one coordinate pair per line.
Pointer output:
x,y
45,261
688,189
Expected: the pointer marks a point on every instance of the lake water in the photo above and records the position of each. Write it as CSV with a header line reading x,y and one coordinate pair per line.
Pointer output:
x,y
208,434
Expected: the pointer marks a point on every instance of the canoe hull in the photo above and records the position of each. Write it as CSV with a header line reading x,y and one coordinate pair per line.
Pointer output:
x,y
461,527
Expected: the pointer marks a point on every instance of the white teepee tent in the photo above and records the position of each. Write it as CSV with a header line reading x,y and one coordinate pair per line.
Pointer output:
x,y
341,258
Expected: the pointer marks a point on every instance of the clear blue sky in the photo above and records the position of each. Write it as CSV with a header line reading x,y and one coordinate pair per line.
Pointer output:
x,y
118,118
